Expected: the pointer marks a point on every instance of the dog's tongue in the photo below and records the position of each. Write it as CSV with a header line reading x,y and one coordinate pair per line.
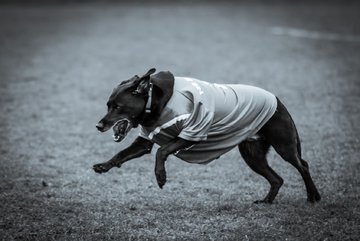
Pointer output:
x,y
121,129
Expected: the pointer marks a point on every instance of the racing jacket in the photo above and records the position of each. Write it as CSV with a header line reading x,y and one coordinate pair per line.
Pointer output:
x,y
217,116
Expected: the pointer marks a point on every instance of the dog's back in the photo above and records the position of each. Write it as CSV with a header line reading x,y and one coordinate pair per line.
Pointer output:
x,y
226,99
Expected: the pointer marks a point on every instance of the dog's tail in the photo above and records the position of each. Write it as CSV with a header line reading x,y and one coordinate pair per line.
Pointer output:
x,y
298,144
297,137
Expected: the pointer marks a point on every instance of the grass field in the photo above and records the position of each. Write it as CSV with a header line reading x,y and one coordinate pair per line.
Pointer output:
x,y
59,63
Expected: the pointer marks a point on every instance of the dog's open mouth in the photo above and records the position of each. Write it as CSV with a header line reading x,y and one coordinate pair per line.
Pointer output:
x,y
121,129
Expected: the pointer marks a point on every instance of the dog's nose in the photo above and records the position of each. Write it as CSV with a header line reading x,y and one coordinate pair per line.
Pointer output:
x,y
100,126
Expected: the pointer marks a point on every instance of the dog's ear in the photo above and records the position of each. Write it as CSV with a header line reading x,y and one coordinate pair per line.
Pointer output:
x,y
143,83
150,72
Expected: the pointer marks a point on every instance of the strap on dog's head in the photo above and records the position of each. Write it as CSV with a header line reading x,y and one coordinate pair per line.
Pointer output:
x,y
145,87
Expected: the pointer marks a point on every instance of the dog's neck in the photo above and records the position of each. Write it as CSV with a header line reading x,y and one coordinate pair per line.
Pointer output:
x,y
160,91
153,108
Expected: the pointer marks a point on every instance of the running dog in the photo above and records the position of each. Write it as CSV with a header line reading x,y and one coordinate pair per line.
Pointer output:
x,y
199,121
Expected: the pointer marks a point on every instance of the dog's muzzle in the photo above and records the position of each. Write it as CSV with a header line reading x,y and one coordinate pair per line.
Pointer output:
x,y
121,129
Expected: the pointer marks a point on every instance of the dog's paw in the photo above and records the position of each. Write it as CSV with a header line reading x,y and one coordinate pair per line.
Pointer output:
x,y
314,197
102,167
160,177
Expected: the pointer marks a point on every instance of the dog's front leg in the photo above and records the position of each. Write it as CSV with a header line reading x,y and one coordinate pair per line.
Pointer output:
x,y
163,152
138,148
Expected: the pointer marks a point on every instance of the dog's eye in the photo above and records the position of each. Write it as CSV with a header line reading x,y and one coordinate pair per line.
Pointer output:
x,y
117,107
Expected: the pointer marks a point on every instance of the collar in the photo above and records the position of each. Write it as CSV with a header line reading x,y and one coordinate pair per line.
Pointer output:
x,y
149,101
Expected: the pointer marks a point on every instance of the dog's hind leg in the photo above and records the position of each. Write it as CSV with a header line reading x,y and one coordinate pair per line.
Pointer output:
x,y
281,133
254,154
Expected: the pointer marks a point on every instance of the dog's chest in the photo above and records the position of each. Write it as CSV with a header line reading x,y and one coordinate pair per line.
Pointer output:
x,y
171,120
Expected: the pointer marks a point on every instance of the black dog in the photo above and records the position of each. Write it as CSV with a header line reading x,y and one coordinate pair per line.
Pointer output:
x,y
198,122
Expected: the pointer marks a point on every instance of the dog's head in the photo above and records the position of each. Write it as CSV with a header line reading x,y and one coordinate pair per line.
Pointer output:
x,y
126,106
